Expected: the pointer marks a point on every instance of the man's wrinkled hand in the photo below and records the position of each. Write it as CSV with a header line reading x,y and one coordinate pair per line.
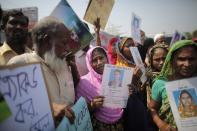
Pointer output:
x,y
68,112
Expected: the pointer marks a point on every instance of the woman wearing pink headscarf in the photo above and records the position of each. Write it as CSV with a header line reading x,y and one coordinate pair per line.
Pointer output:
x,y
103,118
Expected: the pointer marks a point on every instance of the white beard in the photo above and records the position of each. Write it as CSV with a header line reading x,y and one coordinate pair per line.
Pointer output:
x,y
55,63
63,73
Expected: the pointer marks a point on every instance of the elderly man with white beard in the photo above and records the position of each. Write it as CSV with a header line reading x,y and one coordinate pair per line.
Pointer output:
x,y
51,38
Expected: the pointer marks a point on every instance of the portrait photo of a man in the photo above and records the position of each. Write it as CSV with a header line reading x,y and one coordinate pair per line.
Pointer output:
x,y
115,79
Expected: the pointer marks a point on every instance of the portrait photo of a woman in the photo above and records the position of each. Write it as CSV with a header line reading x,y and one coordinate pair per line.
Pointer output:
x,y
187,106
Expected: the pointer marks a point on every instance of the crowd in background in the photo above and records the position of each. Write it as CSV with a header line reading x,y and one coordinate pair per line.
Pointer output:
x,y
70,76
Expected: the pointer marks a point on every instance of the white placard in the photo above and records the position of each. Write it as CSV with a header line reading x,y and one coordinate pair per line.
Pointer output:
x,y
25,92
176,37
115,85
183,101
135,28
99,9
138,61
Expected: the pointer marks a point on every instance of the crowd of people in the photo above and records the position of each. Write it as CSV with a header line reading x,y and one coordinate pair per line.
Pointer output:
x,y
70,76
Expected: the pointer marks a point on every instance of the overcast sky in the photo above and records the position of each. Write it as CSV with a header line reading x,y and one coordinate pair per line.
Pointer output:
x,y
157,15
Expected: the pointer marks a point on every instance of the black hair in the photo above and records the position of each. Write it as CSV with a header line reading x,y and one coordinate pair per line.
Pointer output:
x,y
13,13
1,13
185,91
152,53
149,42
101,50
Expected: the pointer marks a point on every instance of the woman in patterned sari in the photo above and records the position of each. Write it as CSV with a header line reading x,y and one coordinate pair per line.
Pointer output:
x,y
157,55
135,114
180,62
124,57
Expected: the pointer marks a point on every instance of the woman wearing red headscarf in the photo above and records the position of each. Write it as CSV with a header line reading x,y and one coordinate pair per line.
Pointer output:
x,y
111,50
